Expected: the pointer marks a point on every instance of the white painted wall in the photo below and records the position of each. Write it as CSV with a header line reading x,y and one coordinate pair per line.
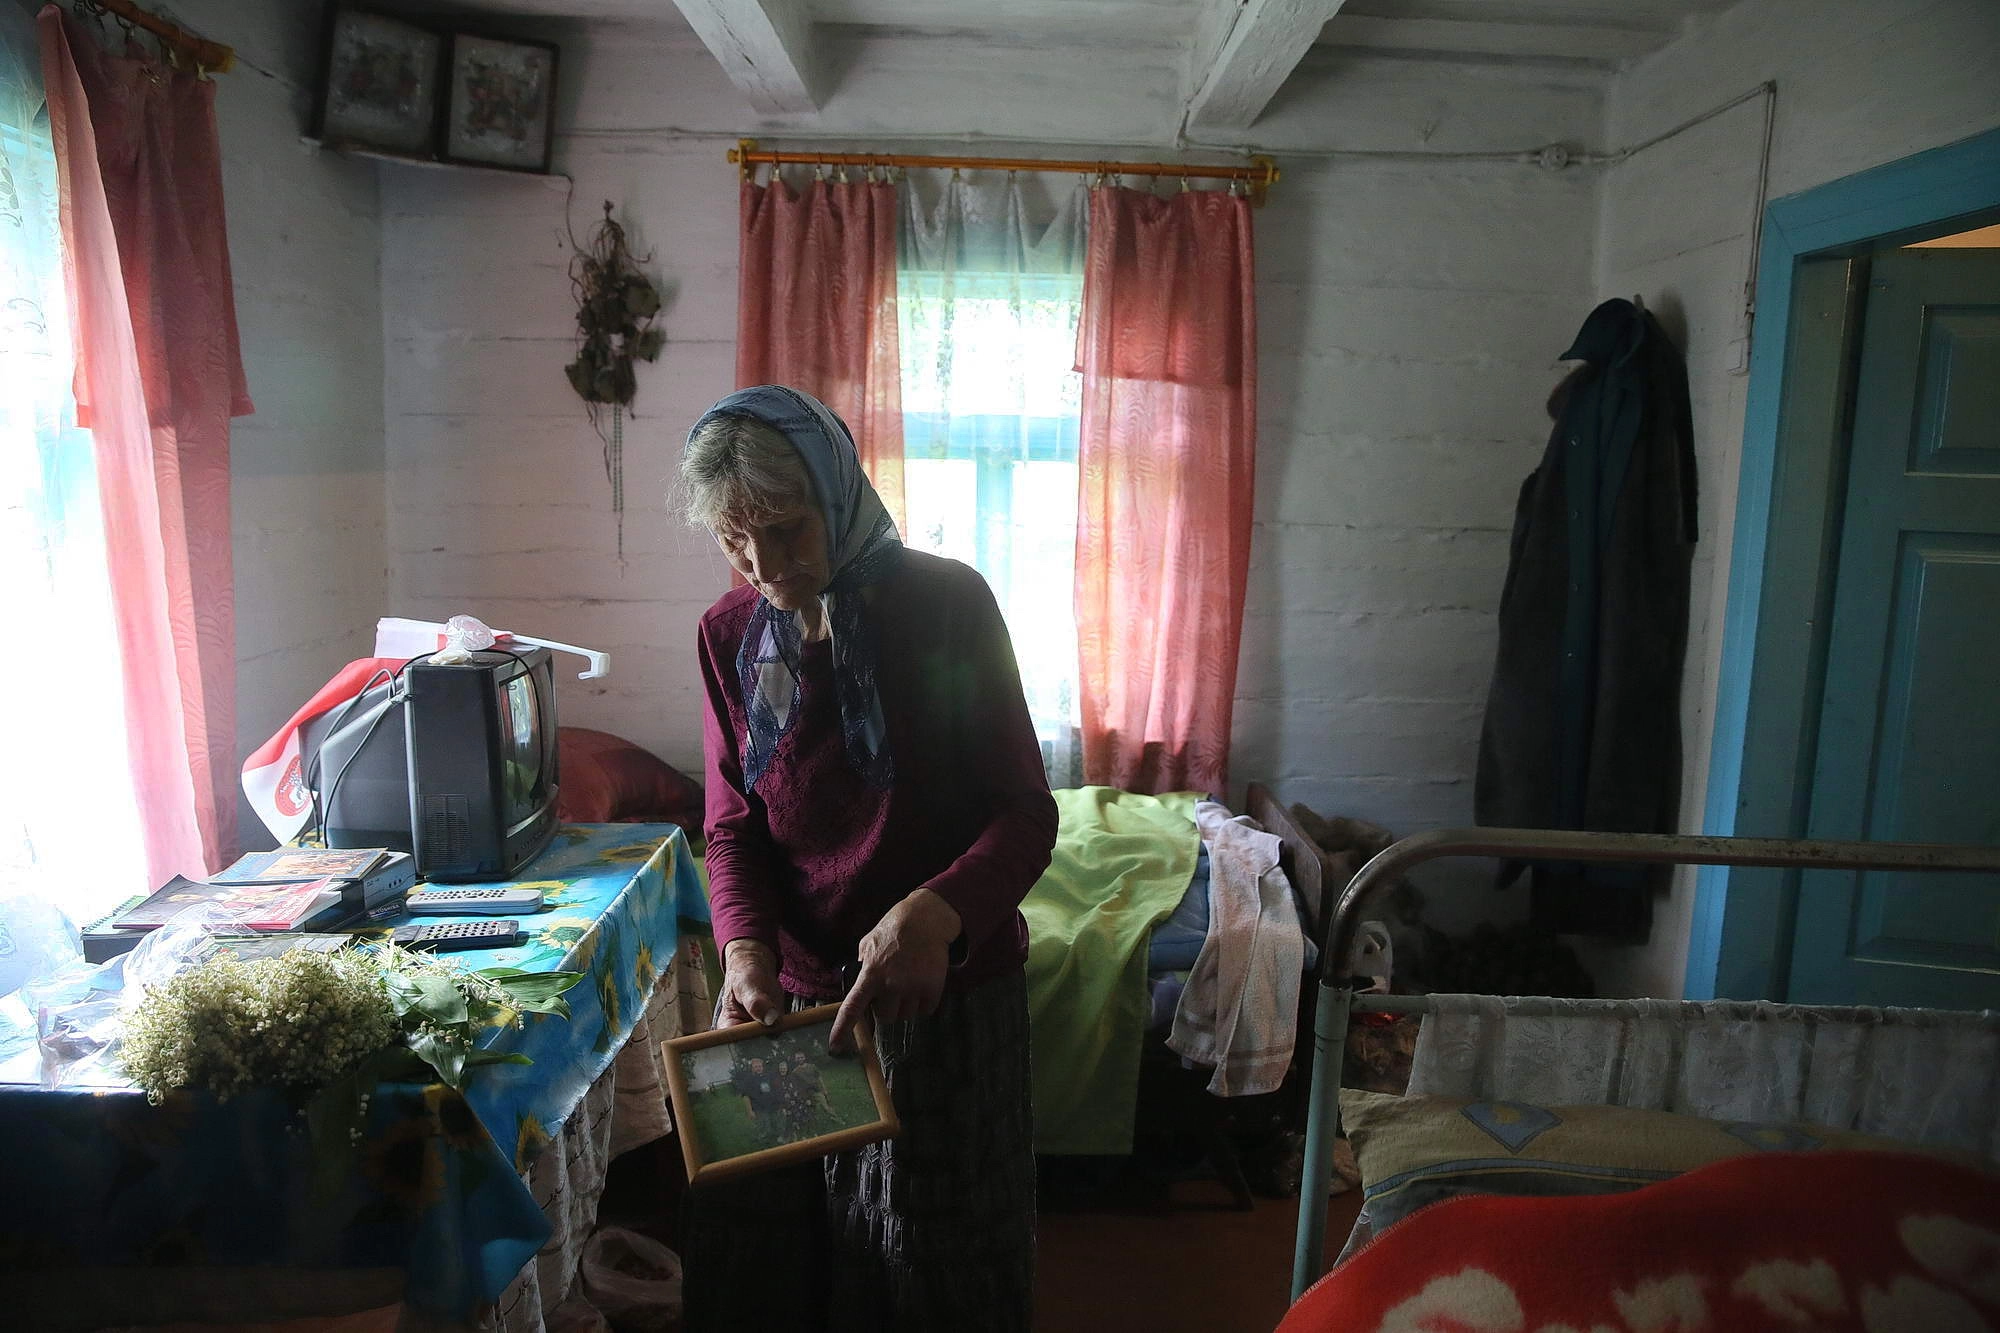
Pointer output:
x,y
1410,314
1860,83
308,466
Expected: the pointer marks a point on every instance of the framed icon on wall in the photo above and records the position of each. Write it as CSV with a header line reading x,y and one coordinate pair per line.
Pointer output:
x,y
500,102
380,80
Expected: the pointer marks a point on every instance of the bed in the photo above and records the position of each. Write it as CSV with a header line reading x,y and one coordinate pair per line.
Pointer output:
x,y
1120,1037
1595,1130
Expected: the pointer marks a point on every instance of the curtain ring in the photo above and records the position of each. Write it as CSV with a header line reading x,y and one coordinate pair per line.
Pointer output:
x,y
819,171
1184,185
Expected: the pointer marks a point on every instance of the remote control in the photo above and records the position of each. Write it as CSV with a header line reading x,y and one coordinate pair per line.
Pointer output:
x,y
472,902
443,935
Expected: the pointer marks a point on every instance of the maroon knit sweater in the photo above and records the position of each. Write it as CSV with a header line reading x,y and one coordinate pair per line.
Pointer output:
x,y
811,860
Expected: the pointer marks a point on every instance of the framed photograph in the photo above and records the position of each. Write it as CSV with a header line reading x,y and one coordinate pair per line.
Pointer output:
x,y
500,102
750,1097
380,80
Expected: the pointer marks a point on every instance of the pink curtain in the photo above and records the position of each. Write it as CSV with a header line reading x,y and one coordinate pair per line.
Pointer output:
x,y
158,378
1168,350
817,310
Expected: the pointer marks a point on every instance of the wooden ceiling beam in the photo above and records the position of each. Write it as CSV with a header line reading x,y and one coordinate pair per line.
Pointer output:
x,y
1243,50
765,48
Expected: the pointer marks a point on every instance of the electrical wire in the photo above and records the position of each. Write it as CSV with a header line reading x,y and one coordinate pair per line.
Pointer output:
x,y
311,775
324,812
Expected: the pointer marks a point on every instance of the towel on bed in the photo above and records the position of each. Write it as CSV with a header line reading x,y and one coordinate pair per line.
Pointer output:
x,y
1239,1011
1121,863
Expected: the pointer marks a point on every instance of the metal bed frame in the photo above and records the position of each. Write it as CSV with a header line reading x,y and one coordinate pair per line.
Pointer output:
x,y
1337,999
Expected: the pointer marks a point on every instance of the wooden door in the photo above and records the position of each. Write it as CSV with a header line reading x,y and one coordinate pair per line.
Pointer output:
x,y
1909,735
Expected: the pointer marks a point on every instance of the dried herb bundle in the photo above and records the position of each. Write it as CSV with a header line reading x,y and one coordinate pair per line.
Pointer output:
x,y
616,305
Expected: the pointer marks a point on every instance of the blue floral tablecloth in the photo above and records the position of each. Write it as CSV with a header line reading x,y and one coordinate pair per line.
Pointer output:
x,y
97,1179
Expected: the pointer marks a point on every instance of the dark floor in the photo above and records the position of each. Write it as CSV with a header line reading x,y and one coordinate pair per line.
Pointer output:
x,y
1188,1263
1115,1255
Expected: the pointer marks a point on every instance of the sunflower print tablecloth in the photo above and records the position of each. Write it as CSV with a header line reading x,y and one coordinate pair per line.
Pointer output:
x,y
100,1180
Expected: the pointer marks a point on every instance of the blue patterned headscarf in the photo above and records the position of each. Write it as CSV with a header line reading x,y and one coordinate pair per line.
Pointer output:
x,y
862,546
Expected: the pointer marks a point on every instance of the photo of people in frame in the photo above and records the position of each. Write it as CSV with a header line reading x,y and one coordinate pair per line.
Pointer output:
x,y
774,1090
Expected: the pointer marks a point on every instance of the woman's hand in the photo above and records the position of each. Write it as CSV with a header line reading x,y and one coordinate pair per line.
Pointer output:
x,y
903,965
750,990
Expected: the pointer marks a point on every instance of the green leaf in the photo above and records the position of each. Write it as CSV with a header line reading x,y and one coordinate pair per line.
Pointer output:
x,y
502,973
404,993
475,1058
530,988
441,1002
554,1005
445,1056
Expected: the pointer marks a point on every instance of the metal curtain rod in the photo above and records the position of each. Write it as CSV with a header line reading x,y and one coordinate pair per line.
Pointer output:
x,y
206,56
1259,175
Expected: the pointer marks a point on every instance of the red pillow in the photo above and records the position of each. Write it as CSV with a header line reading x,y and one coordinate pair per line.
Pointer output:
x,y
606,779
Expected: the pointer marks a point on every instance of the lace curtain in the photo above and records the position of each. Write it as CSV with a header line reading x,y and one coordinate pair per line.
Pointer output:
x,y
988,300
1923,1075
69,824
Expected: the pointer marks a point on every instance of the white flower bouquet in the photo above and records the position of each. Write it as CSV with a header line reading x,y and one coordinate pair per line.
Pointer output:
x,y
305,1022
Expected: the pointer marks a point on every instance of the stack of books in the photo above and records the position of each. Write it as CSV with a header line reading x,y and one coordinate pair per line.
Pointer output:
x,y
290,889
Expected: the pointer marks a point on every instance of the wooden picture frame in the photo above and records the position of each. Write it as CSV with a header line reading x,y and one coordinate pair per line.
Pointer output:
x,y
499,101
736,1112
380,81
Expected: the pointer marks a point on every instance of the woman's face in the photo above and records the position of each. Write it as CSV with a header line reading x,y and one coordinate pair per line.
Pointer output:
x,y
783,554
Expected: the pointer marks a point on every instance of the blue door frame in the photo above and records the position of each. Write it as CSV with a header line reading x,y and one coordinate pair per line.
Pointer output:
x,y
1740,936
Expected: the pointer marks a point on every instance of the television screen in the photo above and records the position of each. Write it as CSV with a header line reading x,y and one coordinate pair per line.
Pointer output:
x,y
482,761
523,781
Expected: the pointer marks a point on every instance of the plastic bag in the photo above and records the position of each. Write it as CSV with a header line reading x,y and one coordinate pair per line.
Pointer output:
x,y
80,1011
36,942
633,1280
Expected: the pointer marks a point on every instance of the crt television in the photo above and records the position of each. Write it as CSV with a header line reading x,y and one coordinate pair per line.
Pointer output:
x,y
453,763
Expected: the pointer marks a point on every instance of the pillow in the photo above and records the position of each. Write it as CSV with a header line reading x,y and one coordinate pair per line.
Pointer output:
x,y
606,779
1416,1150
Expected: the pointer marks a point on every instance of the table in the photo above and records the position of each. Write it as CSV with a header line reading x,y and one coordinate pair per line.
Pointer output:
x,y
101,1182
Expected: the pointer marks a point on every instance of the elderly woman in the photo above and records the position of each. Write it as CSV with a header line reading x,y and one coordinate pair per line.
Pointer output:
x,y
877,810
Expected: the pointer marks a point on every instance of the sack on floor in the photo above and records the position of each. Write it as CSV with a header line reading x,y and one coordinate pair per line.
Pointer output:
x,y
633,1280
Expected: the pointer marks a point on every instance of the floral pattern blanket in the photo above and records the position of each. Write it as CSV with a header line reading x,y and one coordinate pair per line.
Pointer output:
x,y
1839,1242
100,1180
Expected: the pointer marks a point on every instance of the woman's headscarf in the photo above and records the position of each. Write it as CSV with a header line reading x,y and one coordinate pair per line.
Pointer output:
x,y
862,546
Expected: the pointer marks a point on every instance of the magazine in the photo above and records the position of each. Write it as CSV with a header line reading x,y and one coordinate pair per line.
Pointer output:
x,y
290,864
261,906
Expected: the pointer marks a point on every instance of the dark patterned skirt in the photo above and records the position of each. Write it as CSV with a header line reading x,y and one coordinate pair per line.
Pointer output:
x,y
931,1231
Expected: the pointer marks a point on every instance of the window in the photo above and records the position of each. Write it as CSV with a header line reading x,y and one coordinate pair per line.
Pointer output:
x,y
990,419
69,823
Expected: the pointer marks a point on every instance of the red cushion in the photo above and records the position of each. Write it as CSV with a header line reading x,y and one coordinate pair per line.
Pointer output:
x,y
606,779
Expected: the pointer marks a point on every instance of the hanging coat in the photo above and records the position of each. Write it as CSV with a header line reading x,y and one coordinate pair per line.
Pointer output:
x,y
1583,716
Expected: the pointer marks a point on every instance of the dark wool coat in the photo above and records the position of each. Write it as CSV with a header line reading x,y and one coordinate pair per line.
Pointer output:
x,y
1583,717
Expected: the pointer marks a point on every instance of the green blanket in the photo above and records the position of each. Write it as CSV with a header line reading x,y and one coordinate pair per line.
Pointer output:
x,y
1122,863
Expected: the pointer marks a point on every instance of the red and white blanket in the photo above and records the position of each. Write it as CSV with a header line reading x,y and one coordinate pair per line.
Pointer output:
x,y
1786,1242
